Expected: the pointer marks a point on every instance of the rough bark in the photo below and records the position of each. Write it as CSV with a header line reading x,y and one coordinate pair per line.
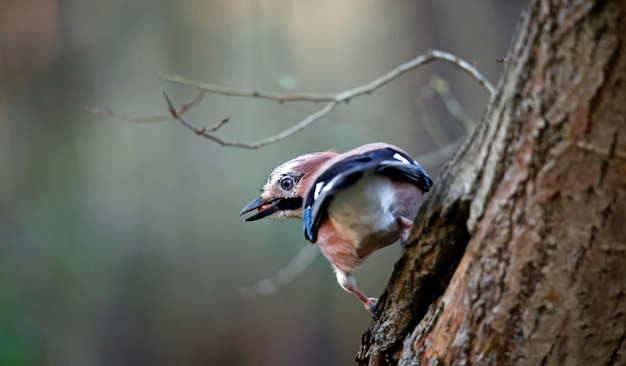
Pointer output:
x,y
519,253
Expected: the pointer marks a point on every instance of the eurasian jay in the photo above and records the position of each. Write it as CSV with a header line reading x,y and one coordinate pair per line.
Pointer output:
x,y
351,204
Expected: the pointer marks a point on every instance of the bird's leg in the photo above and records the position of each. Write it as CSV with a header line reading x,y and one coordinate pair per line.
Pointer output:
x,y
347,281
405,229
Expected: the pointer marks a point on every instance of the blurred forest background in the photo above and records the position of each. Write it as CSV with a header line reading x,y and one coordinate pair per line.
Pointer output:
x,y
121,244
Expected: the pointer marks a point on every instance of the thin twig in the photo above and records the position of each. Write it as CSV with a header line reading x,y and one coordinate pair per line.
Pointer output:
x,y
435,130
286,275
441,87
467,67
279,97
107,112
334,100
437,157
176,114
343,96
206,132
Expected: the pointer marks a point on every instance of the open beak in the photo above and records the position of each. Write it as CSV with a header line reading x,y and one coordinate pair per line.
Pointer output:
x,y
265,208
270,206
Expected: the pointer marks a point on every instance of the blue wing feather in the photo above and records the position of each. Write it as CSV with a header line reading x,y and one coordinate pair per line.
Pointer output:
x,y
306,219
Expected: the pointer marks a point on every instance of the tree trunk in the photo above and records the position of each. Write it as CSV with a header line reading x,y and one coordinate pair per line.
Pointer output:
x,y
518,255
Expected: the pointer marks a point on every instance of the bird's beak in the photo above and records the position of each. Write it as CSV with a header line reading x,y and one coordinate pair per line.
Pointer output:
x,y
265,208
270,206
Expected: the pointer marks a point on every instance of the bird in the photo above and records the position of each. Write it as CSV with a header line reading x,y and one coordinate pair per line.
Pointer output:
x,y
351,204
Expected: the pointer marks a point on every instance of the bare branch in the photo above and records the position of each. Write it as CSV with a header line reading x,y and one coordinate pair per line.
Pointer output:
x,y
286,275
465,66
435,130
279,97
417,62
197,99
107,112
334,100
206,132
343,96
441,87
440,155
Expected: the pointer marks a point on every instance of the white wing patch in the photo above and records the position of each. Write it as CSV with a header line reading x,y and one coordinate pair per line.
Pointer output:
x,y
318,188
401,158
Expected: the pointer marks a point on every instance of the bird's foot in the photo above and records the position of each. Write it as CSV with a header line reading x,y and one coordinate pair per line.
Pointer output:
x,y
371,303
405,229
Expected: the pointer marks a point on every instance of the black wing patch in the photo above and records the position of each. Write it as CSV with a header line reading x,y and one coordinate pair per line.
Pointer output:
x,y
345,173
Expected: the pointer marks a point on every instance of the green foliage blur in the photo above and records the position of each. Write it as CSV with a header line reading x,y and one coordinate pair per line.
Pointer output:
x,y
121,244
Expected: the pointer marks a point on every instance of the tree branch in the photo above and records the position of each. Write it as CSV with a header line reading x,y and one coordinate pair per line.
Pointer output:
x,y
261,94
108,112
284,276
334,100
343,96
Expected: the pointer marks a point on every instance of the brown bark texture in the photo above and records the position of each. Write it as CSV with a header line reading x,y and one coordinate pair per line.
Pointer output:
x,y
518,255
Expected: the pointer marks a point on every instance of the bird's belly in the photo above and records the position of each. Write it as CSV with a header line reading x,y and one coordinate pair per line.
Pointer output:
x,y
364,215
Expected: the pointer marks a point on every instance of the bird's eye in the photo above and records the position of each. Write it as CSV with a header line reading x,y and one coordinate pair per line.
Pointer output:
x,y
286,183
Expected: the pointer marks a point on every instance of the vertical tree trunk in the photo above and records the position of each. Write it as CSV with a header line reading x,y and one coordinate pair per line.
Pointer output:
x,y
519,254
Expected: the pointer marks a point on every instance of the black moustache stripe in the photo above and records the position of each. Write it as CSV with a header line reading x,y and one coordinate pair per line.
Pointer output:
x,y
289,204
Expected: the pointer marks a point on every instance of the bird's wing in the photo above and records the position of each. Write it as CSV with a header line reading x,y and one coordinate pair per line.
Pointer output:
x,y
344,173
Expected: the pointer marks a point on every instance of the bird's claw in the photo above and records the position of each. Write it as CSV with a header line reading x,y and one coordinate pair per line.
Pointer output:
x,y
371,304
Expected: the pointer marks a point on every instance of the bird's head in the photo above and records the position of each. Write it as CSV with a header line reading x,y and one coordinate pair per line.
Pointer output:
x,y
282,194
